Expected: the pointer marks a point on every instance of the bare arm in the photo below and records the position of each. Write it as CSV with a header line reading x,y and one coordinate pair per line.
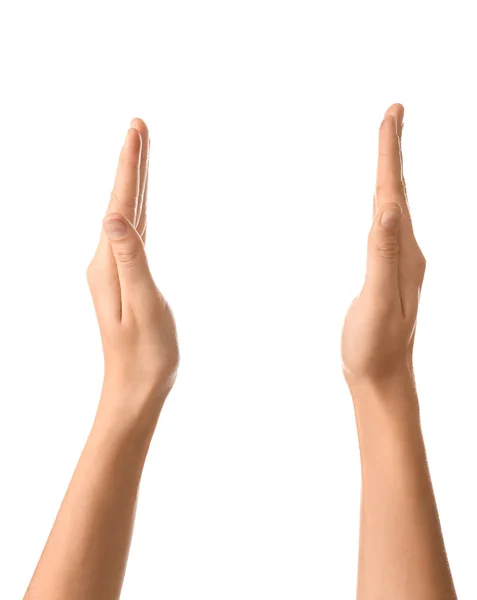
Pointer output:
x,y
402,553
86,553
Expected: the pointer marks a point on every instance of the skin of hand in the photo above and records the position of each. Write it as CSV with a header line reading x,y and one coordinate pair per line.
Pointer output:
x,y
86,553
401,553
378,335
137,327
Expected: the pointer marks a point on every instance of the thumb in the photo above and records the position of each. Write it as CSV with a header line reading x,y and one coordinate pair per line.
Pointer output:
x,y
128,251
383,251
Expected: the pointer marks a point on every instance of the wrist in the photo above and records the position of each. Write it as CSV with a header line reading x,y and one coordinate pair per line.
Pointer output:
x,y
387,419
389,431
394,397
131,412
397,383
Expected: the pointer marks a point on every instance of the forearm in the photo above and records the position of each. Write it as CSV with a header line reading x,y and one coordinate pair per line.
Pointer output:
x,y
402,552
86,553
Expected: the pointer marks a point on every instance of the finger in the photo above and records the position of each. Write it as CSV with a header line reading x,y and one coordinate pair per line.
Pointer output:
x,y
397,110
142,223
102,272
390,184
382,271
141,126
386,135
126,185
389,181
137,286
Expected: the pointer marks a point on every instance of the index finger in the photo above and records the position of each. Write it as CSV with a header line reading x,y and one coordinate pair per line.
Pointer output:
x,y
125,193
390,186
141,126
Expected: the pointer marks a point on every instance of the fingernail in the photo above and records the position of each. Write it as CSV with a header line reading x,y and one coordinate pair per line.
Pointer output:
x,y
114,228
394,120
391,217
129,138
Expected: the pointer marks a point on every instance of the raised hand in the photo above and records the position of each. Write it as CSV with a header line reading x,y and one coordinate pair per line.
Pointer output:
x,y
86,553
379,330
136,324
401,550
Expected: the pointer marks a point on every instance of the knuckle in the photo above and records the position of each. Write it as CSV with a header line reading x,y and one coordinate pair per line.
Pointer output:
x,y
127,255
384,243
390,189
113,201
387,249
121,199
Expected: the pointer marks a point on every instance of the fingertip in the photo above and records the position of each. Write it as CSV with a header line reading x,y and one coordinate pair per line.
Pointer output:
x,y
137,122
133,142
140,125
132,148
397,111
133,136
388,124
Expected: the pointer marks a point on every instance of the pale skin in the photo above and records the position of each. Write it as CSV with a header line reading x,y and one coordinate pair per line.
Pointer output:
x,y
401,549
401,553
86,553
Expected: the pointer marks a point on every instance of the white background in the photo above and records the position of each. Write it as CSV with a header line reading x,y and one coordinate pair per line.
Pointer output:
x,y
264,119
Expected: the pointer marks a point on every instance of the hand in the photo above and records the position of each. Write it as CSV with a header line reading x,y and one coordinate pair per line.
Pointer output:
x,y
136,324
378,333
